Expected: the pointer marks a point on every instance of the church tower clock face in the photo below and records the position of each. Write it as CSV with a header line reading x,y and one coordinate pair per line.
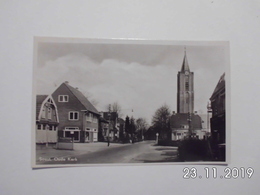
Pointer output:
x,y
186,73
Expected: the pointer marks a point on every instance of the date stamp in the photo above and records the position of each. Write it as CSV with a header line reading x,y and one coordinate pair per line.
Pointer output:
x,y
227,173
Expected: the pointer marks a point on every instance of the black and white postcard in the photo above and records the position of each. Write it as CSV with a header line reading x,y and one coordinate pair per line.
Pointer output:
x,y
128,102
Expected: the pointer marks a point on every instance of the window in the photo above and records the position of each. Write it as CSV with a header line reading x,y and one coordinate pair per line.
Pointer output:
x,y
187,85
43,113
95,119
89,117
49,113
39,127
73,115
63,98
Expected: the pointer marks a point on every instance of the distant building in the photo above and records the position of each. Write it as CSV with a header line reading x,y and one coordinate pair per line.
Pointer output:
x,y
103,129
78,117
47,120
113,130
218,106
185,122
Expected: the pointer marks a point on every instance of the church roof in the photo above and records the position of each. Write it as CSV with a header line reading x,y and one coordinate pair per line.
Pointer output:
x,y
185,65
179,119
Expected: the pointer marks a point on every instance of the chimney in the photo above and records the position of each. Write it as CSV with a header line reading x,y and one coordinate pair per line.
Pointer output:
x,y
66,82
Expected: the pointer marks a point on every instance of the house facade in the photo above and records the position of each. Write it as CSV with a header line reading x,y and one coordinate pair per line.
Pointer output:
x,y
47,120
78,117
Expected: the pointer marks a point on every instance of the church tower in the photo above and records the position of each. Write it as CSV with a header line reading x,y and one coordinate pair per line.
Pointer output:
x,y
185,93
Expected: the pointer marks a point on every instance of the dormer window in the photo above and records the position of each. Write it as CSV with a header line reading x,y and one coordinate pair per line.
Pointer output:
x,y
63,98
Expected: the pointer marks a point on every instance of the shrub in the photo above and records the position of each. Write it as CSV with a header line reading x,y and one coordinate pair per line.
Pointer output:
x,y
168,143
193,150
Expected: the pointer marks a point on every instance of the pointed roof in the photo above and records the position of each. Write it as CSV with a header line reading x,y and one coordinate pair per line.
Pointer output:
x,y
83,100
220,85
185,65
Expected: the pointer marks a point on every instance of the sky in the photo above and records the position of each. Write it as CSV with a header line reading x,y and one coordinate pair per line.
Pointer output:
x,y
141,77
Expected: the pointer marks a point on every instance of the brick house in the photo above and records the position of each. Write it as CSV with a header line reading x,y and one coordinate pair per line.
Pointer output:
x,y
47,120
78,117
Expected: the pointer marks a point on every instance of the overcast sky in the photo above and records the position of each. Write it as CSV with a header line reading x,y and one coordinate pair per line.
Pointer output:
x,y
138,76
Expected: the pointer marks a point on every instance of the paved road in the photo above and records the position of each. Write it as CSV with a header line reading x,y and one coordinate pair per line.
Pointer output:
x,y
140,152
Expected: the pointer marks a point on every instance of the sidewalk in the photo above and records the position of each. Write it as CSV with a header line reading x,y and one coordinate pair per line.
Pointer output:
x,y
79,148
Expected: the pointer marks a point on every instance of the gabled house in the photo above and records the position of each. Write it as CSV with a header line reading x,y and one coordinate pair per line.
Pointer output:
x,y
47,120
218,119
78,117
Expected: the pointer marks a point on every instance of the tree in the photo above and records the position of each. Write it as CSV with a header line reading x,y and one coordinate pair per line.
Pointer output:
x,y
115,107
127,129
160,121
141,127
132,128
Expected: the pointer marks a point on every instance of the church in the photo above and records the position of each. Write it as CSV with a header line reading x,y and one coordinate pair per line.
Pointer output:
x,y
186,122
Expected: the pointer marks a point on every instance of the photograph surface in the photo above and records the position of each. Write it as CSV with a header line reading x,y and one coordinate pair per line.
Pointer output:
x,y
107,102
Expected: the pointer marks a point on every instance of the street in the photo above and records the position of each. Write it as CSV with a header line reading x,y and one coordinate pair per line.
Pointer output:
x,y
140,152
